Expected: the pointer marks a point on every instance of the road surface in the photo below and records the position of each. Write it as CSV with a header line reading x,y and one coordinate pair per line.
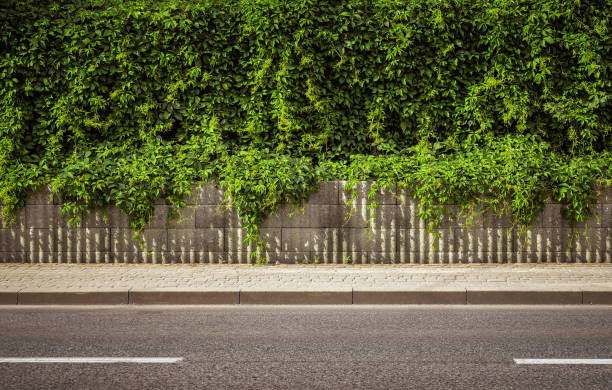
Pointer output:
x,y
291,347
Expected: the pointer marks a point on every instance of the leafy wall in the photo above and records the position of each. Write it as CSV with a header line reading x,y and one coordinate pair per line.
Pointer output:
x,y
501,104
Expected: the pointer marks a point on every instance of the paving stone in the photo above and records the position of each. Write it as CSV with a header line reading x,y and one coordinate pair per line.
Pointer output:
x,y
14,277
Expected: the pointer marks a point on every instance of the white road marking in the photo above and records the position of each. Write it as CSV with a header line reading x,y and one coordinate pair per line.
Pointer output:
x,y
563,361
91,360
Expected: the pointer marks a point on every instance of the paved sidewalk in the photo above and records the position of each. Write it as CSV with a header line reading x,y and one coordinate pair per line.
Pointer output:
x,y
308,284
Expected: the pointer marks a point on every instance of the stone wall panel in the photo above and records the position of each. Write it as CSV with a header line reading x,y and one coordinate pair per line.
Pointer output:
x,y
311,239
328,193
324,231
362,189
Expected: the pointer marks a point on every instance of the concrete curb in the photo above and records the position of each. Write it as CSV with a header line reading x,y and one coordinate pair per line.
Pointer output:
x,y
488,297
8,297
183,297
415,297
597,297
306,297
339,297
72,297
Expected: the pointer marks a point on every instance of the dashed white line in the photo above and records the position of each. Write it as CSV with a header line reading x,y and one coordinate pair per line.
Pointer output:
x,y
95,360
563,361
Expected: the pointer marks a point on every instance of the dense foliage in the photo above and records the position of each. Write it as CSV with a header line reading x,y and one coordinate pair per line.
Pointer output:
x,y
504,103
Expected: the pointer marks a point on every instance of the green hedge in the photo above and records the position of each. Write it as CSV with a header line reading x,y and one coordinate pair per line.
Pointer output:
x,y
505,103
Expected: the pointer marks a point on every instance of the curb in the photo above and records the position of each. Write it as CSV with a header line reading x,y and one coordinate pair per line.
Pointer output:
x,y
339,297
489,297
305,297
183,297
410,297
71,297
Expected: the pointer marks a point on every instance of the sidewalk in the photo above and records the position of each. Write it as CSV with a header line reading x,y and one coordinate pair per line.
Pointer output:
x,y
36,284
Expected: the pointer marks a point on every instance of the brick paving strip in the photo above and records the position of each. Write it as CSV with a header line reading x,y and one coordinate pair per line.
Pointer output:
x,y
39,284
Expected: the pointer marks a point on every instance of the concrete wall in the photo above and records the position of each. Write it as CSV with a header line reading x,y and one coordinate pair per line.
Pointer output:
x,y
208,233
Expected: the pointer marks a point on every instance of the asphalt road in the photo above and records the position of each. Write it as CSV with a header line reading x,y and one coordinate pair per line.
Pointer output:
x,y
307,347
